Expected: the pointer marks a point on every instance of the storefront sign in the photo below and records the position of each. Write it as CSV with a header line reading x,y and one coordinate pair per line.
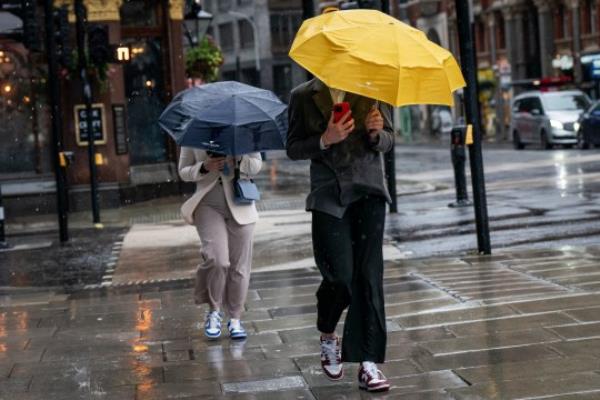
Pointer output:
x,y
564,62
120,128
98,124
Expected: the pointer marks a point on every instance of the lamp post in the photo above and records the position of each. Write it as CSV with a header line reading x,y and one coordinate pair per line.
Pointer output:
x,y
196,23
256,41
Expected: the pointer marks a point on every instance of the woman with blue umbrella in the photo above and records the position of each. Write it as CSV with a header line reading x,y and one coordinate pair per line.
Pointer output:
x,y
222,127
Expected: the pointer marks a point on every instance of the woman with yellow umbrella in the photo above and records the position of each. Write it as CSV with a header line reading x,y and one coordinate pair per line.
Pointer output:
x,y
363,60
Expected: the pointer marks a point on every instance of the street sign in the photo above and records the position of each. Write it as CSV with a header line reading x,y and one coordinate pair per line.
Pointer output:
x,y
120,128
98,124
13,6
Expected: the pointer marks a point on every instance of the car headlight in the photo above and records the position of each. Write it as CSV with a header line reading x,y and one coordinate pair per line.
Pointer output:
x,y
576,126
556,124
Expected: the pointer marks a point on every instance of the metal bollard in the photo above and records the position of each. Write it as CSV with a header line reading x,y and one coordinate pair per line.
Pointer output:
x,y
459,158
3,243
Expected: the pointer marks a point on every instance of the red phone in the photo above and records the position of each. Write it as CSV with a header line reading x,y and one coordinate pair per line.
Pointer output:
x,y
339,110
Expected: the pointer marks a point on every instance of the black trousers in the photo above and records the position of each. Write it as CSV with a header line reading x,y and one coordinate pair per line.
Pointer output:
x,y
349,254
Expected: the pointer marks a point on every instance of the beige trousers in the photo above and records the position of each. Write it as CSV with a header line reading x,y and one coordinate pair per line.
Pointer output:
x,y
223,275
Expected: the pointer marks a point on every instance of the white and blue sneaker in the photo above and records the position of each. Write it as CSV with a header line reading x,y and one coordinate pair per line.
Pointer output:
x,y
212,326
236,330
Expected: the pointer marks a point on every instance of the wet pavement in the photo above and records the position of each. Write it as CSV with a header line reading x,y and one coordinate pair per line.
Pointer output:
x,y
516,325
110,315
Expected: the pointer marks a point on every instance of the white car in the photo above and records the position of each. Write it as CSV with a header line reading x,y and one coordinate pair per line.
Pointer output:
x,y
547,118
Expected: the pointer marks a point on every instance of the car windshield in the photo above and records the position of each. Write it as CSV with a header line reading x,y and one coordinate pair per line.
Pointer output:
x,y
566,102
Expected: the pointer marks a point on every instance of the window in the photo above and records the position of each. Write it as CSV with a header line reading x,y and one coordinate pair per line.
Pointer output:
x,y
224,5
138,13
226,36
566,102
284,26
282,81
500,32
246,34
589,16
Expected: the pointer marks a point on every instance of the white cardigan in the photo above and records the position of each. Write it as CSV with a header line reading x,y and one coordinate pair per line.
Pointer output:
x,y
190,162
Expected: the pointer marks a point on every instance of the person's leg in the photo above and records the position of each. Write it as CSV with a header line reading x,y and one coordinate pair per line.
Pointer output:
x,y
212,270
332,247
365,331
238,276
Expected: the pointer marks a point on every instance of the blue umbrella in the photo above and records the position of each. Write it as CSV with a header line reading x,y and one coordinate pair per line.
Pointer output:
x,y
228,118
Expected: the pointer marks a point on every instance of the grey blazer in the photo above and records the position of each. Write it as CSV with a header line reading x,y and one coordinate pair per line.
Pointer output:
x,y
346,171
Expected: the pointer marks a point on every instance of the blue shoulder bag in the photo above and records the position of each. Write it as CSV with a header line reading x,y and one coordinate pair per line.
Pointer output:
x,y
245,190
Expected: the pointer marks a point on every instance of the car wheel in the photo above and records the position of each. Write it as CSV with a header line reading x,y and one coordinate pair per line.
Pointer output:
x,y
581,143
545,144
518,145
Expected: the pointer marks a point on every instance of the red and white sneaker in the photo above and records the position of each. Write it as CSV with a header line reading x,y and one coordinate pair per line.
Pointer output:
x,y
331,358
371,379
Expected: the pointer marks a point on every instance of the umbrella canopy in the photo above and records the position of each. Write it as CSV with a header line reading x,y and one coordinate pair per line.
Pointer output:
x,y
227,117
372,54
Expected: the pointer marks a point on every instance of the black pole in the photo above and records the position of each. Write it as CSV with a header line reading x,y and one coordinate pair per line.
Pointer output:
x,y
308,9
467,56
56,118
390,156
87,98
3,243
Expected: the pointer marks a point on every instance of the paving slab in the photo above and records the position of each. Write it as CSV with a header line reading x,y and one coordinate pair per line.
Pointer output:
x,y
531,388
499,340
450,317
511,323
547,368
485,357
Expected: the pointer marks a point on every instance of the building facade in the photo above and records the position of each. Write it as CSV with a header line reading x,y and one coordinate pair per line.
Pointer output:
x,y
276,23
520,44
137,160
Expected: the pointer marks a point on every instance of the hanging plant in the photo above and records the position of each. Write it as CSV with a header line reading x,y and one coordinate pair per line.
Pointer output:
x,y
203,61
97,73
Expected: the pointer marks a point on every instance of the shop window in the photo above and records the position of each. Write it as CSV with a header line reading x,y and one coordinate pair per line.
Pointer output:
x,y
25,129
246,34
226,36
139,14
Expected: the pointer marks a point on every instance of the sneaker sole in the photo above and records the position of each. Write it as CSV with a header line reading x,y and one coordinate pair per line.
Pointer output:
x,y
240,337
376,389
212,337
334,378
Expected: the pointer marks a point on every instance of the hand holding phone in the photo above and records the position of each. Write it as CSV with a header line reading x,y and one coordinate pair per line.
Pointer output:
x,y
338,131
339,110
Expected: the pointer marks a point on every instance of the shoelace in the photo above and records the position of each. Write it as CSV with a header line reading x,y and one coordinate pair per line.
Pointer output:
x,y
235,325
371,370
329,350
214,319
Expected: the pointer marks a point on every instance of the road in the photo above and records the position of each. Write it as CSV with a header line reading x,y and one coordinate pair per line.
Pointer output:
x,y
536,199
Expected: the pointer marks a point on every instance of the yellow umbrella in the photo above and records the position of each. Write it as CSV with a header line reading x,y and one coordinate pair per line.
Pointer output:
x,y
372,54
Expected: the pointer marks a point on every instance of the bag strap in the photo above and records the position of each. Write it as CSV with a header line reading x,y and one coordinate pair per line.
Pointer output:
x,y
236,173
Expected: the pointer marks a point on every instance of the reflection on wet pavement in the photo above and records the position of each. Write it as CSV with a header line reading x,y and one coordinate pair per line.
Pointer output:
x,y
511,326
